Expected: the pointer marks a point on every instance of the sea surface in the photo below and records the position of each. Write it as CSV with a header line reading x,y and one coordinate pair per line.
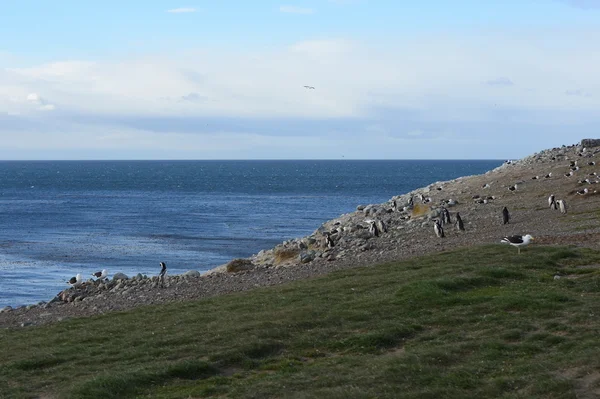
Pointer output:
x,y
60,218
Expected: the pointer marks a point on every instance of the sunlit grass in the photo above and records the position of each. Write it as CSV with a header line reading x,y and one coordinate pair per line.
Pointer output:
x,y
482,322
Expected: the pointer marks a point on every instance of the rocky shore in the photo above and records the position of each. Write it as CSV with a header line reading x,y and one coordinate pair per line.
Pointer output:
x,y
375,233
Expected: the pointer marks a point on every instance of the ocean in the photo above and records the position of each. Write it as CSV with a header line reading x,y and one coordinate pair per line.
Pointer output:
x,y
60,218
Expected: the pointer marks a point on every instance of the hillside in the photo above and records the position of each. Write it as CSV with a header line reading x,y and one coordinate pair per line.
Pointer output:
x,y
479,199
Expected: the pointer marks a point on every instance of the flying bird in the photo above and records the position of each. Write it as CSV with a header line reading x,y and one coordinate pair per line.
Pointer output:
x,y
517,241
309,87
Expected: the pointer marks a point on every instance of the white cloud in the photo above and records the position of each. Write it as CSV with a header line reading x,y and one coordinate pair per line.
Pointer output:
x,y
39,102
33,98
395,90
182,10
295,10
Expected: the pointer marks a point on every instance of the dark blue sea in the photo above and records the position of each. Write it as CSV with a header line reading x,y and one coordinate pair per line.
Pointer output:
x,y
60,218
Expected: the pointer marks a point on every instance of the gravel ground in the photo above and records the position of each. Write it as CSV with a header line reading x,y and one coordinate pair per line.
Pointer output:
x,y
405,238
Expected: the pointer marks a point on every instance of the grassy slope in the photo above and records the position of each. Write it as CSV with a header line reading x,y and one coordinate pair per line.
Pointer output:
x,y
483,322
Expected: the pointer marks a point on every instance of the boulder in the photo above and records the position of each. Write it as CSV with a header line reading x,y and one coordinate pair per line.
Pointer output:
x,y
191,273
306,257
120,276
590,143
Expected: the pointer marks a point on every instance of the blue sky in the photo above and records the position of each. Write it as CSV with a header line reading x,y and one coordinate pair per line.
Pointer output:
x,y
224,79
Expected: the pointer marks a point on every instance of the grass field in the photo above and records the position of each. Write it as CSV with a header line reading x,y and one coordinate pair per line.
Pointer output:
x,y
483,322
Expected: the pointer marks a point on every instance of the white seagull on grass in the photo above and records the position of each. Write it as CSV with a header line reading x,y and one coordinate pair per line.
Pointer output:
x,y
517,241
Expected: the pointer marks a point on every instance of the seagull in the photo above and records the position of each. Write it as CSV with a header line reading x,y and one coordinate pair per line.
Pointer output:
x,y
517,241
309,87
100,275
76,281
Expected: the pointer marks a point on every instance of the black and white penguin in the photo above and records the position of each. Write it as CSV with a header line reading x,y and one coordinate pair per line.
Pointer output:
x,y
505,216
552,202
163,273
373,230
438,229
328,240
459,223
562,205
445,216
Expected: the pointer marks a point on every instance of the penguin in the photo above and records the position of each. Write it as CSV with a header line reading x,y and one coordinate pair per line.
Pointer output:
x,y
162,274
381,226
438,229
459,223
552,201
445,216
562,205
373,230
328,240
505,216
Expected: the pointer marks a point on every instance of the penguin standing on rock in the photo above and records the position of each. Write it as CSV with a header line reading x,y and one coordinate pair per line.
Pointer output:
x,y
373,230
162,274
505,216
328,240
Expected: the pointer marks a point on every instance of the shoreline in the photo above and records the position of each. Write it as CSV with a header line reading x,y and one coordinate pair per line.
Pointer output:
x,y
409,234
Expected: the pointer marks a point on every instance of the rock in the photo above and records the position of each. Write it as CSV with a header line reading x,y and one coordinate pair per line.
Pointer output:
x,y
120,276
590,143
239,265
306,257
191,273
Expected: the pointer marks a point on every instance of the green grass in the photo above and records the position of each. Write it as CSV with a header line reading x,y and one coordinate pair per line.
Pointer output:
x,y
482,322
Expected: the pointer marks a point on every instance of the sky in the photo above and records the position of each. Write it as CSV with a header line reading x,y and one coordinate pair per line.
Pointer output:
x,y
224,79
